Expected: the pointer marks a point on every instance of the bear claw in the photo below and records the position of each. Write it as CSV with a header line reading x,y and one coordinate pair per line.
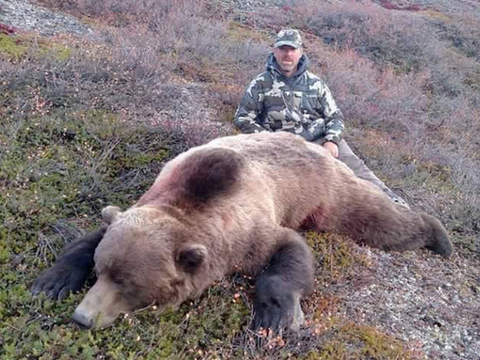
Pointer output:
x,y
58,281
277,308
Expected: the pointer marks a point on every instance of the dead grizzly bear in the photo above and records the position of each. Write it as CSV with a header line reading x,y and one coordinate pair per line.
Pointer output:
x,y
233,205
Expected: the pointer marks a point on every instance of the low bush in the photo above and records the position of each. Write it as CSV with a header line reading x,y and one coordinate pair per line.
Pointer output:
x,y
87,123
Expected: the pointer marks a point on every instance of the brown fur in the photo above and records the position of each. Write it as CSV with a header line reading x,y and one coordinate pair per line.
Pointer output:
x,y
204,175
228,206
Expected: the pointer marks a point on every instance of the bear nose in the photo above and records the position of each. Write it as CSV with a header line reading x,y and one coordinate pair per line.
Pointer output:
x,y
82,319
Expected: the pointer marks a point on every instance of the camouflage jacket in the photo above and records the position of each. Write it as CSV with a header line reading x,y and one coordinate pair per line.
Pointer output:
x,y
301,104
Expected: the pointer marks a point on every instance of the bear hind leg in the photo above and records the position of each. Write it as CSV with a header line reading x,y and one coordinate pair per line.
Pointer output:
x,y
287,278
440,242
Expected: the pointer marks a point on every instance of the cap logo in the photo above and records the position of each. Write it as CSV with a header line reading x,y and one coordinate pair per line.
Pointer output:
x,y
290,37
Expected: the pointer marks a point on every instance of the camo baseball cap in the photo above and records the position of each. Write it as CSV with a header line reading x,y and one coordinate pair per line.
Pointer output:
x,y
290,37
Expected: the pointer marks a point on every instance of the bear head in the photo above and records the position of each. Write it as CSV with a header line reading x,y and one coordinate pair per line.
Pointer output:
x,y
146,257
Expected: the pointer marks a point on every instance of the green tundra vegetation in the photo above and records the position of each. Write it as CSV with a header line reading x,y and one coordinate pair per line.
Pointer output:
x,y
88,122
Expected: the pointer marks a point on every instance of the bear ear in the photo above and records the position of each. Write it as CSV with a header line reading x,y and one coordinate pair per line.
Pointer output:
x,y
191,257
110,213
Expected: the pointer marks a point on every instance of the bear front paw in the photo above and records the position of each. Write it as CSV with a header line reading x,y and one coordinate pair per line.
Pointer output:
x,y
59,280
276,306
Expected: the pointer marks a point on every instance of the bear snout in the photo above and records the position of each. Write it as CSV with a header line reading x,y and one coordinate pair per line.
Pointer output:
x,y
101,305
81,319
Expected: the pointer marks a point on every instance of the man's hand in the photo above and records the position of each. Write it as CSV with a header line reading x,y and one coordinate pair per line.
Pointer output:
x,y
332,148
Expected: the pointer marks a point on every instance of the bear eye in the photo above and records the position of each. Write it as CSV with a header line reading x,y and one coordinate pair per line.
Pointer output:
x,y
119,281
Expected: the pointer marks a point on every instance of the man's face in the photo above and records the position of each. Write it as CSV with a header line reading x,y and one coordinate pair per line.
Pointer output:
x,y
287,57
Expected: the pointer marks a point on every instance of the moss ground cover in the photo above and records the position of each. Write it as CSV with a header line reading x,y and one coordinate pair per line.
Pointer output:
x,y
83,125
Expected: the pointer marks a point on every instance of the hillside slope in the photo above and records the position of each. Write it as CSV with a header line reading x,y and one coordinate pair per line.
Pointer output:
x,y
96,96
